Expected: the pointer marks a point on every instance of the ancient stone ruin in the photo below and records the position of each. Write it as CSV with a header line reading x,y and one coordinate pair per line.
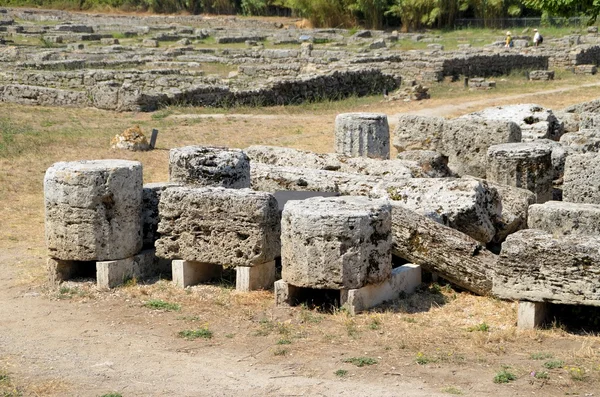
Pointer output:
x,y
497,203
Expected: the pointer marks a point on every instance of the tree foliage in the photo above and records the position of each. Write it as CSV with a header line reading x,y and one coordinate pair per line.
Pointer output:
x,y
566,8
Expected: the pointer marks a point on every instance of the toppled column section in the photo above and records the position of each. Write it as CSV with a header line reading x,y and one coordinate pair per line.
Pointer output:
x,y
362,135
336,242
526,165
537,267
93,210
561,218
209,166
229,227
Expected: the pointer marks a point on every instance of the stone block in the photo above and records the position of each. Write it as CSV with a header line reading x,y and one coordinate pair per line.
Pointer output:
x,y
229,227
59,270
467,205
525,165
404,279
93,209
589,121
336,242
531,314
537,267
187,273
541,75
150,217
433,164
362,135
582,179
582,141
257,277
418,133
209,166
585,69
561,218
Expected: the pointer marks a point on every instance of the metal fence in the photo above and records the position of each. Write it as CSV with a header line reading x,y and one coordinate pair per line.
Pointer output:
x,y
518,22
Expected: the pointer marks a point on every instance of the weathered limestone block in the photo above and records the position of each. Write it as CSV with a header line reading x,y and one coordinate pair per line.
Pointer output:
x,y
582,141
336,242
525,165
230,227
93,209
466,140
535,121
467,205
150,217
455,256
271,178
362,135
589,121
582,178
561,218
543,75
131,139
209,166
570,121
418,133
433,164
537,267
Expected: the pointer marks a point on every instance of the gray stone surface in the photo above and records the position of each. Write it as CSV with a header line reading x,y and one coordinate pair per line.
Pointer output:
x,y
209,166
563,218
467,205
362,135
582,141
433,164
535,121
150,198
418,133
537,267
582,179
589,121
526,165
336,242
93,209
229,227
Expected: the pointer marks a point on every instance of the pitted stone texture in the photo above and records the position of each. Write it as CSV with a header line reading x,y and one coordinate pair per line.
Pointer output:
x,y
209,166
418,133
525,165
570,121
93,209
230,227
537,267
150,217
362,135
433,164
582,141
582,179
535,121
271,178
589,121
466,140
287,157
336,242
467,205
562,218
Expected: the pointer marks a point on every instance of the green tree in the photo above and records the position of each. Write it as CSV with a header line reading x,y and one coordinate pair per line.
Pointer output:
x,y
566,8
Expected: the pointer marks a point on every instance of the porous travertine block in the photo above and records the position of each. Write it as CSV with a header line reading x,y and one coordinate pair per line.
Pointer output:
x,y
336,242
150,198
570,121
468,205
589,121
537,267
209,166
561,218
582,141
230,227
433,164
93,209
466,140
535,121
525,165
418,132
362,135
582,178
271,178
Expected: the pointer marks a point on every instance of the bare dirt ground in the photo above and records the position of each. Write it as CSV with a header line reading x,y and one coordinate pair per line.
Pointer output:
x,y
79,341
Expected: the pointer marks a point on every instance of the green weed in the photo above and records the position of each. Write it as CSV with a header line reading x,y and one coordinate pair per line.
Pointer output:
x,y
504,376
541,356
554,364
483,327
159,304
341,373
452,390
189,334
361,361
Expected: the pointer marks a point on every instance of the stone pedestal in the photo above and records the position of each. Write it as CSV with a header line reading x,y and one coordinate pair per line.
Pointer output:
x,y
531,314
526,165
209,166
93,210
362,135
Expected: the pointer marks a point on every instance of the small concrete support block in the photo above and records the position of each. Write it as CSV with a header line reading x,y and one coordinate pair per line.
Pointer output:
x,y
285,294
251,278
186,273
403,279
531,314
110,274
362,135
59,271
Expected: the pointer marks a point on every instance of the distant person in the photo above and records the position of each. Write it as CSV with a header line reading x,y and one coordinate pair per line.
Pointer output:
x,y
509,41
537,38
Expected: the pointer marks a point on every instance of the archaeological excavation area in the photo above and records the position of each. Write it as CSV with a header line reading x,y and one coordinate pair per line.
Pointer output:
x,y
411,251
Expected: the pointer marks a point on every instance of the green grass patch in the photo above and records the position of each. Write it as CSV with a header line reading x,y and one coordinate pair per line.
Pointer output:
x,y
159,304
553,364
483,327
452,390
504,376
541,356
280,352
284,342
340,373
202,333
361,361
